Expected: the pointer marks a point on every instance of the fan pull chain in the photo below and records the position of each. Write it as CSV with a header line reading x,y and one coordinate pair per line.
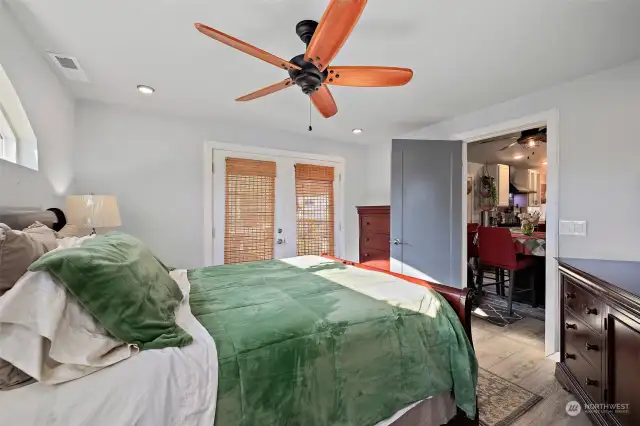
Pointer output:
x,y
310,128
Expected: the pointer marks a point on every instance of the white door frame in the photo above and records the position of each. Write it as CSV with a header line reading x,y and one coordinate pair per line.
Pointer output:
x,y
246,150
550,119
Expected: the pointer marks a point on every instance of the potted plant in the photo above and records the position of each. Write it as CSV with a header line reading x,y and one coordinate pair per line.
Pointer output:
x,y
488,191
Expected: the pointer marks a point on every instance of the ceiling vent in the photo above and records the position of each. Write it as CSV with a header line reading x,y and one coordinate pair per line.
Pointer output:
x,y
69,66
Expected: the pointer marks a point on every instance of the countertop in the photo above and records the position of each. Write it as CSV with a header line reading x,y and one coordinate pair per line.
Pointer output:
x,y
618,273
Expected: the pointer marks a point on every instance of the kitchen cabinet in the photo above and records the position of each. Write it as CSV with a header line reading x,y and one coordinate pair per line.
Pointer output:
x,y
534,183
500,174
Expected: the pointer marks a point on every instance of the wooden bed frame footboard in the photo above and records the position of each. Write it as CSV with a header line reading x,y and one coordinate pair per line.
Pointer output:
x,y
459,299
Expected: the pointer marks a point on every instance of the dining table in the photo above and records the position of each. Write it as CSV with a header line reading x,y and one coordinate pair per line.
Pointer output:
x,y
531,245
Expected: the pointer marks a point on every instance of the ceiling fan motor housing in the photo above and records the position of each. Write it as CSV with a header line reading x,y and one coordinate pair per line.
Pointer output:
x,y
308,77
305,30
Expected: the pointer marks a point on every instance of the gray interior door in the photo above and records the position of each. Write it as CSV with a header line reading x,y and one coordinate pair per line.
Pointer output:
x,y
426,210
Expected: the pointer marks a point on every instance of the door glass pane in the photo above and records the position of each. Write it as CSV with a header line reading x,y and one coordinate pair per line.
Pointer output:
x,y
249,210
314,209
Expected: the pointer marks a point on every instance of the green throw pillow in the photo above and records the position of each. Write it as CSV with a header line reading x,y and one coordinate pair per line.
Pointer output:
x,y
119,281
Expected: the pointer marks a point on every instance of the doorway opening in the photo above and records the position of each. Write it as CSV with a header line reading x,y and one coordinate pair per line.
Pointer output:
x,y
551,120
506,225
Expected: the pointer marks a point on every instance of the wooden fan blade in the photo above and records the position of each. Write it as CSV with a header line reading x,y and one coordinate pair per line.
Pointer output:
x,y
244,47
369,76
324,102
266,91
333,30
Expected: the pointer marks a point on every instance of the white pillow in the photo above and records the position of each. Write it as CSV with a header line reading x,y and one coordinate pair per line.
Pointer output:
x,y
46,333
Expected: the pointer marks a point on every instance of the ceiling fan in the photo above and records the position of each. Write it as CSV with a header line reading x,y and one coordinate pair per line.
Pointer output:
x,y
311,71
528,139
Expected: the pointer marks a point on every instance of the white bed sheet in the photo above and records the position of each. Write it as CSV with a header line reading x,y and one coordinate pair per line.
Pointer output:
x,y
167,387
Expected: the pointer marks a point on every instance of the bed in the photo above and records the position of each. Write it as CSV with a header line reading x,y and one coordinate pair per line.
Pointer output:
x,y
265,345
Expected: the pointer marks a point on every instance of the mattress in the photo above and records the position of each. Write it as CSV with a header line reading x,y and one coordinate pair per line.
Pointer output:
x,y
434,411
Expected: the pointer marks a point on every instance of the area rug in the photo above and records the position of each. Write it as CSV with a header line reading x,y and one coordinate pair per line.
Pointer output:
x,y
493,308
501,402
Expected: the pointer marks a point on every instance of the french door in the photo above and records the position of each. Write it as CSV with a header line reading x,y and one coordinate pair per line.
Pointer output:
x,y
275,205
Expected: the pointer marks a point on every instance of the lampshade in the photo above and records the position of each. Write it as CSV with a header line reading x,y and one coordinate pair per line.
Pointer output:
x,y
93,211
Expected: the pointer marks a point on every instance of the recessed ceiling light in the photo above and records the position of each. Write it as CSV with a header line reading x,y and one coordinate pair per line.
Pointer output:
x,y
517,157
356,131
146,90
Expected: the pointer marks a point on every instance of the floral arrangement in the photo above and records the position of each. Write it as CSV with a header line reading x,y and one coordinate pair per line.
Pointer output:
x,y
528,221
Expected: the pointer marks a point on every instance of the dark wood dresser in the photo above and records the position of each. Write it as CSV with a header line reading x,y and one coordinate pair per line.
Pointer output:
x,y
600,338
375,226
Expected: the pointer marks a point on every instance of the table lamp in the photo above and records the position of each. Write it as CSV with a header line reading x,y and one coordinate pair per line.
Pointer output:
x,y
93,211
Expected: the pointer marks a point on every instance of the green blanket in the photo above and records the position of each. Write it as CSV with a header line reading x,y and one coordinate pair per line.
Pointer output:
x,y
296,348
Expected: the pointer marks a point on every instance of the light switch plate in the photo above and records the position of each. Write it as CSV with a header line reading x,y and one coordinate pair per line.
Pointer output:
x,y
573,227
580,228
566,227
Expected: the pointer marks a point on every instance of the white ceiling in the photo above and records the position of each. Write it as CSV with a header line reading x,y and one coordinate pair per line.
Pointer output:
x,y
466,54
489,153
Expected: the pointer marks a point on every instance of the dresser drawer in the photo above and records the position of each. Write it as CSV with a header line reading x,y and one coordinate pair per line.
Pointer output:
x,y
370,240
376,258
589,378
583,304
375,223
585,341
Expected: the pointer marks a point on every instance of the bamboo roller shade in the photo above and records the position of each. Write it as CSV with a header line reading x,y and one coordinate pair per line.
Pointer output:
x,y
314,209
249,210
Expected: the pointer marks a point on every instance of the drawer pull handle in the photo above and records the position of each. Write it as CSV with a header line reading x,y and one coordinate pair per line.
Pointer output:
x,y
368,223
590,382
591,311
590,347
569,295
569,326
569,356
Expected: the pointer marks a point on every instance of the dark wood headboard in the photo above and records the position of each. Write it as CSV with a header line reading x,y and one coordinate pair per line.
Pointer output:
x,y
21,218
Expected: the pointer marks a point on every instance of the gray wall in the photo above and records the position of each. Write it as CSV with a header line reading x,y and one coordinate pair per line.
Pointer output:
x,y
153,163
599,152
50,110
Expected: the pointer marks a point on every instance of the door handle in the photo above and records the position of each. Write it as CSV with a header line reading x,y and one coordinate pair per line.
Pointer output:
x,y
280,241
397,241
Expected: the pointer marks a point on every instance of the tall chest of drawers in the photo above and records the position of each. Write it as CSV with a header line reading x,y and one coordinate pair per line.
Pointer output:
x,y
375,228
600,338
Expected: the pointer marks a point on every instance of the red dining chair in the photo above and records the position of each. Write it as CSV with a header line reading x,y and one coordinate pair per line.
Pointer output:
x,y
496,249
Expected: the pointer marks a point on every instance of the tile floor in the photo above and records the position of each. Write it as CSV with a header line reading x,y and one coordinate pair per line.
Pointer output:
x,y
516,352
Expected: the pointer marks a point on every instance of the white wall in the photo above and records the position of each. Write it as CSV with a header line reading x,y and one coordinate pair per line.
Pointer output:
x,y
473,209
153,164
599,156
378,167
50,110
